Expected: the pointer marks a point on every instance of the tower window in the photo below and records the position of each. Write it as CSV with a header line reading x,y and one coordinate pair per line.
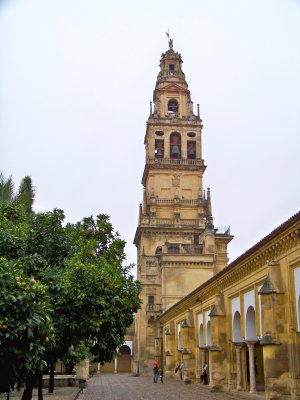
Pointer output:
x,y
173,250
171,69
191,149
175,145
191,134
159,133
150,302
172,107
159,148
196,239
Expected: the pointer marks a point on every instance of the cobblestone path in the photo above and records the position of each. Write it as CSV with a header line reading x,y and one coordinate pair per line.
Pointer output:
x,y
125,387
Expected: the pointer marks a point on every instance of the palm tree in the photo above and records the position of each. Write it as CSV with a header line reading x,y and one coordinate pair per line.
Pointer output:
x,y
6,189
23,198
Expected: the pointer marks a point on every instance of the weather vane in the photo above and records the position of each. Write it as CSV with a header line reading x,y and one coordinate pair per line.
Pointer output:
x,y
170,40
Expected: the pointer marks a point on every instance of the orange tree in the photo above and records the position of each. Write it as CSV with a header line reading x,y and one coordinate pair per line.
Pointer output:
x,y
92,296
25,324
96,295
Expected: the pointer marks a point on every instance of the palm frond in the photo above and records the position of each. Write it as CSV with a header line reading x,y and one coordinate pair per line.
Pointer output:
x,y
6,189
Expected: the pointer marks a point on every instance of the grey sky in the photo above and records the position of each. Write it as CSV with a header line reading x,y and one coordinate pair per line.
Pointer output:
x,y
76,78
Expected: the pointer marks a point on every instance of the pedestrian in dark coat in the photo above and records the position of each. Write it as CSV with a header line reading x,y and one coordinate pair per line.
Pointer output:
x,y
155,373
161,375
203,375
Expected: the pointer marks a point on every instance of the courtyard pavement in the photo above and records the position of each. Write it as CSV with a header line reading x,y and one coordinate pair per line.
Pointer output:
x,y
60,393
122,386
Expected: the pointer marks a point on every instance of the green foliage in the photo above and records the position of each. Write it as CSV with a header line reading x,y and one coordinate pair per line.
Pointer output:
x,y
25,196
101,237
97,295
48,238
6,189
61,289
76,354
24,324
13,232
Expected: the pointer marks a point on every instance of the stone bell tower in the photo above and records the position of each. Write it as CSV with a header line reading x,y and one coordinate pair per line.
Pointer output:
x,y
178,247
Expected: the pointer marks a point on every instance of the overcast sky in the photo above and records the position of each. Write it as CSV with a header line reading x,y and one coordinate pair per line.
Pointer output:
x,y
76,79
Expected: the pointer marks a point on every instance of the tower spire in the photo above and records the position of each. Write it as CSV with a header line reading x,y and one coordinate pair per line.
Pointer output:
x,y
177,245
209,218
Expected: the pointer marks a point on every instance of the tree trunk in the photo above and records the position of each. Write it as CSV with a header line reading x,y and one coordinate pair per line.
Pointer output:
x,y
7,397
51,379
27,394
40,386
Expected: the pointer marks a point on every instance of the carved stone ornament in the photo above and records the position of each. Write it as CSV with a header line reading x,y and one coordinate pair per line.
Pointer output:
x,y
176,181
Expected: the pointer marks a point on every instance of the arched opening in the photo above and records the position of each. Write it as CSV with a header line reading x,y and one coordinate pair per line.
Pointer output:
x,y
208,337
175,145
201,339
159,148
171,69
172,107
123,362
124,349
250,324
236,328
191,149
179,337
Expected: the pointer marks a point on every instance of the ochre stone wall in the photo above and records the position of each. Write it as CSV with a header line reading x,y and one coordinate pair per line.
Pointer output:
x,y
260,291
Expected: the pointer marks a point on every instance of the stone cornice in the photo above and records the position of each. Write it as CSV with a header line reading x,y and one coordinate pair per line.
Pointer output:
x,y
199,264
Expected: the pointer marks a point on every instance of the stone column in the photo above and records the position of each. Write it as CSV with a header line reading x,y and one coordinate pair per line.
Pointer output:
x,y
169,352
210,368
116,365
238,347
188,348
250,344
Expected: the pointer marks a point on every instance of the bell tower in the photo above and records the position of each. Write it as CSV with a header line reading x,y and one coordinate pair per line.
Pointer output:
x,y
178,247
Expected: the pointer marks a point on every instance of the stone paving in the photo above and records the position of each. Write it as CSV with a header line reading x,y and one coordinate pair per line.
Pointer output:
x,y
122,386
60,393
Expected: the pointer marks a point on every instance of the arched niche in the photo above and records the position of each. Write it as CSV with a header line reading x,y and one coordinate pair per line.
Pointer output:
x,y
159,148
208,335
175,145
191,149
173,107
179,336
250,324
201,337
236,327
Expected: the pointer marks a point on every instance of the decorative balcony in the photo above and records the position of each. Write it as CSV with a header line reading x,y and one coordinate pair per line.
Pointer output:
x,y
175,161
176,201
171,222
154,308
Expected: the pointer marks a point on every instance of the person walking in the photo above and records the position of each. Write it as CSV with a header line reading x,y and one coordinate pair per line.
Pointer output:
x,y
181,371
161,375
155,373
203,375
